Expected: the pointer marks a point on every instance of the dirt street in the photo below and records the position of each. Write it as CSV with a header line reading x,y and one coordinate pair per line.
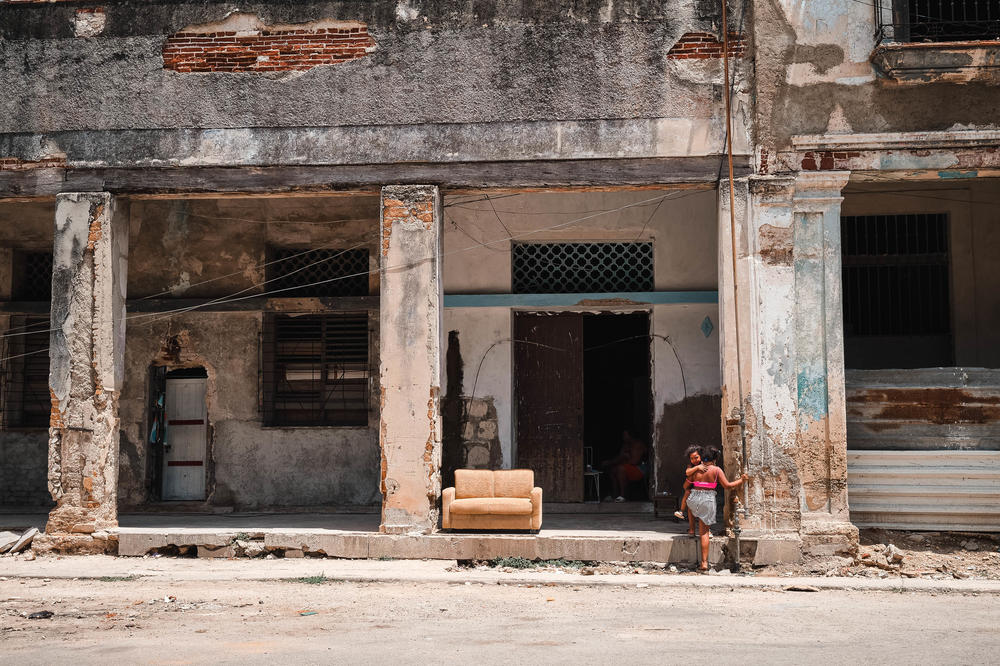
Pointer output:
x,y
313,620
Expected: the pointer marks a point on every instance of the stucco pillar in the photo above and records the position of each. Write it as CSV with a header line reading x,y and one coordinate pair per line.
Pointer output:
x,y
410,358
791,376
821,419
86,350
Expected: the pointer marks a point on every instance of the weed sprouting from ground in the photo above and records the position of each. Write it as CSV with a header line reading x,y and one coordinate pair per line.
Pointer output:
x,y
118,579
524,563
313,580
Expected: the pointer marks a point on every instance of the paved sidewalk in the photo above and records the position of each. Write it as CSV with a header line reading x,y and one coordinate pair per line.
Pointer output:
x,y
441,571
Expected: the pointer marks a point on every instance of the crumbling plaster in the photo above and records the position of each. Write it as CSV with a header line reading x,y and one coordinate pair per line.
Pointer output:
x,y
443,77
813,76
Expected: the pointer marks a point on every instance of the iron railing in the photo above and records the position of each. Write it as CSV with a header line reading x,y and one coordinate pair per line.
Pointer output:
x,y
937,20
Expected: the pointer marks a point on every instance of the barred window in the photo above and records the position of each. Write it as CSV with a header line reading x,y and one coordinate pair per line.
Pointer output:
x,y
328,272
896,290
24,375
32,276
575,268
316,369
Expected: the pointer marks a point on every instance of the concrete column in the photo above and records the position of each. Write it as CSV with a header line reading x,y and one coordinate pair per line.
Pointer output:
x,y
821,419
787,293
410,358
86,348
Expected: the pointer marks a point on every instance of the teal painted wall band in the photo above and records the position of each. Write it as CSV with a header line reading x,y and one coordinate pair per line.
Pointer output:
x,y
566,300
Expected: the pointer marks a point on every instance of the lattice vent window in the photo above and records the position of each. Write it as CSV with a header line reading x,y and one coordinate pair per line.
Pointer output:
x,y
575,268
318,272
316,370
33,276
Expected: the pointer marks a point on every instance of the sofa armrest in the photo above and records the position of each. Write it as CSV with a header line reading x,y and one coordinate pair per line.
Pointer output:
x,y
536,508
447,497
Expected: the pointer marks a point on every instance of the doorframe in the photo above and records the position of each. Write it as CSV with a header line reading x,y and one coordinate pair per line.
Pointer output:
x,y
157,454
653,458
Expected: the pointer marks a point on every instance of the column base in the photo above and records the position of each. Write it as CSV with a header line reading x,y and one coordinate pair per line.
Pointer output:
x,y
761,549
827,535
96,543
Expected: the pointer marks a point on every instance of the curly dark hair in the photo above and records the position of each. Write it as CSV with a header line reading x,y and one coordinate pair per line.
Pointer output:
x,y
710,454
694,448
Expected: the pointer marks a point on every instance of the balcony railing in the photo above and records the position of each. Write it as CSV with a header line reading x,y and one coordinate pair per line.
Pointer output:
x,y
937,20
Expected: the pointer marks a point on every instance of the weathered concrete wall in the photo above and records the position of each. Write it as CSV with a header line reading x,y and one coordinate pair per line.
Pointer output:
x,y
213,248
206,248
562,79
686,387
814,77
249,466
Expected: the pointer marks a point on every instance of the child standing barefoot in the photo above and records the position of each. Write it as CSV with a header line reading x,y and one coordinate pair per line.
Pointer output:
x,y
693,454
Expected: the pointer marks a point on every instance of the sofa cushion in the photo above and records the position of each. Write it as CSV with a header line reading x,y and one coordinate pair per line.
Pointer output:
x,y
513,482
499,506
473,483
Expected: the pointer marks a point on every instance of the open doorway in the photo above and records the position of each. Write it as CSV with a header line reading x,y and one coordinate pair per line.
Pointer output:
x,y
179,432
580,380
616,393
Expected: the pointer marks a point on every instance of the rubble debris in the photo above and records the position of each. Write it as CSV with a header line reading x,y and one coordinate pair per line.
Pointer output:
x,y
41,615
801,588
7,539
24,541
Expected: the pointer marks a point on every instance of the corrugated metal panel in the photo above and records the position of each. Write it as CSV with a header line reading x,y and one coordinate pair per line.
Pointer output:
x,y
923,409
925,490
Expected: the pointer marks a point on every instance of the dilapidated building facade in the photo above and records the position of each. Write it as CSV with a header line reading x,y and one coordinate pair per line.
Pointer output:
x,y
319,255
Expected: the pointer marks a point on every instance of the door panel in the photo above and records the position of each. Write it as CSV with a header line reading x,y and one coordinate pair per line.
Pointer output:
x,y
548,362
185,441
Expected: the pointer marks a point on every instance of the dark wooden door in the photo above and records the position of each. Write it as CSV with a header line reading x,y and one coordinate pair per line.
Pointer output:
x,y
548,367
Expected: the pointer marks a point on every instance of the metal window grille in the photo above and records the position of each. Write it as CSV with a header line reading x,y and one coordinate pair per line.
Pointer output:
x,y
937,20
316,369
24,375
33,276
895,270
574,268
318,272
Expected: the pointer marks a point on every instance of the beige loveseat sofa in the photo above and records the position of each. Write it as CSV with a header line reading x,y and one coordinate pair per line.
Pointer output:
x,y
482,499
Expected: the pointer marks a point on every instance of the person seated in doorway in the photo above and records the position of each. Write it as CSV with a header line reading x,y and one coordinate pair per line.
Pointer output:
x,y
625,468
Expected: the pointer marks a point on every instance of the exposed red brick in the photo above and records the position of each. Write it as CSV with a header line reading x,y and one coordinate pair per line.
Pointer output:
x,y
16,164
265,50
703,45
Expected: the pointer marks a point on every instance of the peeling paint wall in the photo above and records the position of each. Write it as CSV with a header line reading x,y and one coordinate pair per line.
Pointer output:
x,y
814,76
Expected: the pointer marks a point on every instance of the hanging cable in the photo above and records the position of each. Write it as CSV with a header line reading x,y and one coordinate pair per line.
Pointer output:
x,y
732,240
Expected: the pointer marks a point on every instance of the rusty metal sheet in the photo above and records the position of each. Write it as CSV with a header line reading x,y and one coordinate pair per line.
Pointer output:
x,y
548,366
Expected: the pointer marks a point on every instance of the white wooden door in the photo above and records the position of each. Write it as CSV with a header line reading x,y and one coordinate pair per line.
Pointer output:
x,y
186,440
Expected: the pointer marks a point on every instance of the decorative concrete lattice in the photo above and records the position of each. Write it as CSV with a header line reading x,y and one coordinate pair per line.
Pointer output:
x,y
318,273
574,268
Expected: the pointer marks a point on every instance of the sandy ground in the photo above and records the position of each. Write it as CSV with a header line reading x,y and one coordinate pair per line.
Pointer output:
x,y
176,622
